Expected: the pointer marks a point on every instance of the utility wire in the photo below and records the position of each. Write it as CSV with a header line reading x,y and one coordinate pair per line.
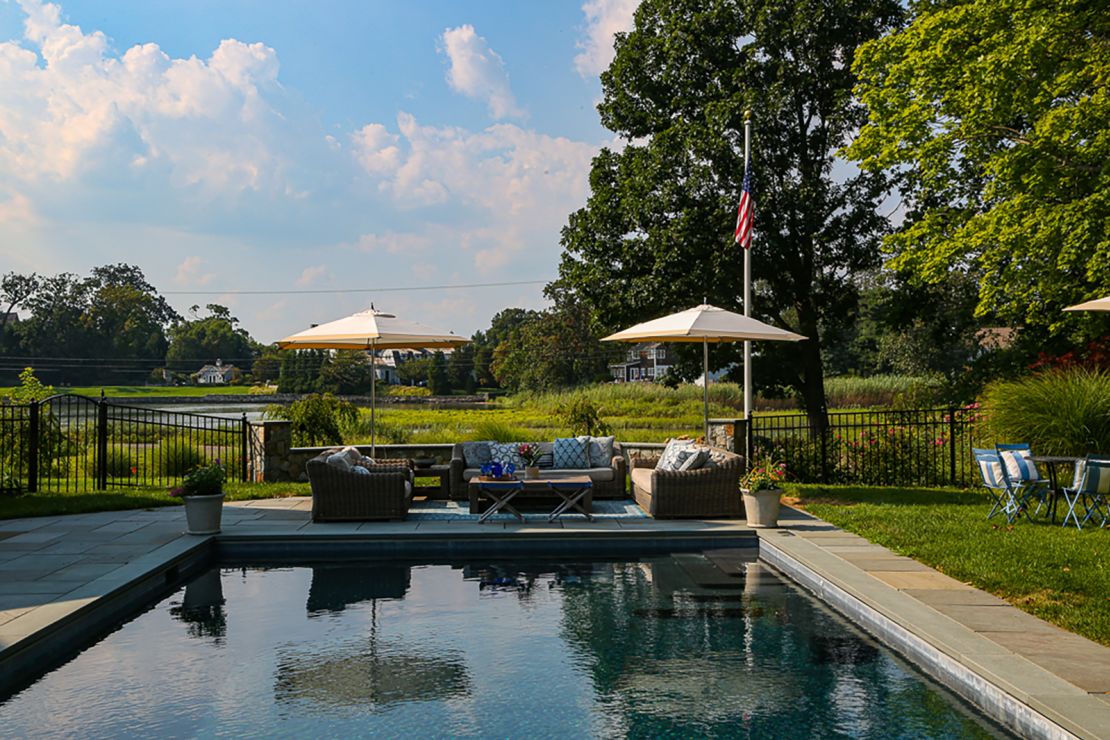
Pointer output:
x,y
323,291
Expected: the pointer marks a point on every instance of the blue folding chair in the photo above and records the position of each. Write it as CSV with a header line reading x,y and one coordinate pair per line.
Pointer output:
x,y
997,484
1091,490
1024,478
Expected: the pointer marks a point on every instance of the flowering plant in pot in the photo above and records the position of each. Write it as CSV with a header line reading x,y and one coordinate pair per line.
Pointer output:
x,y
202,490
530,454
761,487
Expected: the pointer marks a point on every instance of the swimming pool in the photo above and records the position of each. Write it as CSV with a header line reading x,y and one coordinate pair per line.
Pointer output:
x,y
661,646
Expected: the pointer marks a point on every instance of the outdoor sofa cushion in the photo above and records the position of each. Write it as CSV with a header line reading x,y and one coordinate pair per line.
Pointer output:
x,y
673,457
476,454
601,451
571,453
505,453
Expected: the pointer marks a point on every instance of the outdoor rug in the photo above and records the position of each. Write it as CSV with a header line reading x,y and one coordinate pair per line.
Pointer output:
x,y
427,511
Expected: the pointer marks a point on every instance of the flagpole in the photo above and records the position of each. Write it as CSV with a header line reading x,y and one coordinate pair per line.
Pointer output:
x,y
747,279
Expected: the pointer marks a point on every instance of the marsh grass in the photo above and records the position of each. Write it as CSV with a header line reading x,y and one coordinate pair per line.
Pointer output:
x,y
1059,412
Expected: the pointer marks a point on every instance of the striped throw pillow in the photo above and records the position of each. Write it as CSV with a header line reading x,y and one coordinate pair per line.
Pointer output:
x,y
1018,466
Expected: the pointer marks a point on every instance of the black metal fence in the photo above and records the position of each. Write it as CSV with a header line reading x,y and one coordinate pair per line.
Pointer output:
x,y
922,447
71,443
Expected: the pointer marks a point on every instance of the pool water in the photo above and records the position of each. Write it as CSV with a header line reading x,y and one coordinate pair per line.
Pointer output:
x,y
668,646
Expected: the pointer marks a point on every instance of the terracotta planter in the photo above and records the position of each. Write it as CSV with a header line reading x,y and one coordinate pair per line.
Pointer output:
x,y
762,507
203,514
532,473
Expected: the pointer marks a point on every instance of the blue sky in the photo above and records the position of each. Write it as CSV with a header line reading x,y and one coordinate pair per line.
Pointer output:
x,y
252,145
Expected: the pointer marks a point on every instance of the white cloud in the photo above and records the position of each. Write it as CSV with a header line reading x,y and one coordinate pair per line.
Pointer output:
x,y
310,275
518,186
478,72
191,272
70,106
604,18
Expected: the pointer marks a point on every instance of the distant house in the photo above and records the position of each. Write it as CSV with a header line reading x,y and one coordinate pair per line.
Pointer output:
x,y
388,361
218,374
646,361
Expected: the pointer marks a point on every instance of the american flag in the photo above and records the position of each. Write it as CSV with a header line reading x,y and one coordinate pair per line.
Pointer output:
x,y
744,214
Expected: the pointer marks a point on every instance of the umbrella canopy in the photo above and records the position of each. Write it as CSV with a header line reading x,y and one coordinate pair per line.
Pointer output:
x,y
371,330
1099,304
704,324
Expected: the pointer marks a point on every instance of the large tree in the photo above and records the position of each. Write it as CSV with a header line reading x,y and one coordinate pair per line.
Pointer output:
x,y
202,340
995,115
551,349
108,327
655,235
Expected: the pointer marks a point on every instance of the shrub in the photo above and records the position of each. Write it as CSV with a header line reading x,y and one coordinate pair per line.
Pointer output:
x,y
316,419
177,456
1059,412
497,431
413,391
583,417
120,462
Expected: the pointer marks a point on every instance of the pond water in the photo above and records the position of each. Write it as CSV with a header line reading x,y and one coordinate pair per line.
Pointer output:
x,y
658,647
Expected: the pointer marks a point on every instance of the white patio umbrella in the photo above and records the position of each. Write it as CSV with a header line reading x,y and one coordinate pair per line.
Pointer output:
x,y
371,330
1099,304
703,324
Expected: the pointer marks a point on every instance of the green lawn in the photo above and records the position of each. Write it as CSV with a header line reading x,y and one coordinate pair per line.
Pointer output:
x,y
128,391
1060,575
50,504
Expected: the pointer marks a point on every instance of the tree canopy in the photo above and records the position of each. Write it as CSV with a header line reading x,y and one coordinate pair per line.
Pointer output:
x,y
656,233
216,336
995,117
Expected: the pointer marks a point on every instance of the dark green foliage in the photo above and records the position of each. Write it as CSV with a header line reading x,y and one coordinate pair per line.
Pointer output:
x,y
656,233
583,417
439,382
176,456
120,462
345,372
86,326
552,349
204,481
316,419
993,115
1059,412
199,341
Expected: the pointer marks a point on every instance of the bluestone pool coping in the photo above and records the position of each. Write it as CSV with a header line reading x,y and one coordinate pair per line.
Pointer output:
x,y
59,590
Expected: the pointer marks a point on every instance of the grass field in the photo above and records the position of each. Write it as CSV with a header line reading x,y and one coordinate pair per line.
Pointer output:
x,y
131,391
1060,575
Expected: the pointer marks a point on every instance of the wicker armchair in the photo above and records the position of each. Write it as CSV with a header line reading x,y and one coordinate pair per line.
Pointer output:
x,y
706,492
343,496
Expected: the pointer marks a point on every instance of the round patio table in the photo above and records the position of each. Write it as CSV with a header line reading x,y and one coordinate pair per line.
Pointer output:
x,y
1050,463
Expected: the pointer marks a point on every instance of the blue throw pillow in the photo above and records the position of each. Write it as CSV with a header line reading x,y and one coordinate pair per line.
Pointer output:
x,y
570,454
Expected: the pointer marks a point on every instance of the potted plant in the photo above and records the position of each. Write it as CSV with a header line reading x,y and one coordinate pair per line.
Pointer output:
x,y
762,489
530,454
202,490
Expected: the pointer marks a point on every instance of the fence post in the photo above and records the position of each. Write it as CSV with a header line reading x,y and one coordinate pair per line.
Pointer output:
x,y
824,455
102,443
952,442
244,431
749,441
33,448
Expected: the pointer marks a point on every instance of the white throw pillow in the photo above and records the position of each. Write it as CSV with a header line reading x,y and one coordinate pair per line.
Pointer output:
x,y
670,459
1018,465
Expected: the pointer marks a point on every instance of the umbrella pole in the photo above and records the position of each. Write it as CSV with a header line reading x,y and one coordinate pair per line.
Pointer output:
x,y
705,384
373,398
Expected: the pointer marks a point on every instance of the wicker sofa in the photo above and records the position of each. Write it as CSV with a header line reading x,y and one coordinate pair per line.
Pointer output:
x,y
707,492
340,495
608,482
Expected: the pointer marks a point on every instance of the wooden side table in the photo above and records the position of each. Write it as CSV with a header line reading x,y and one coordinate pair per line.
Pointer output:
x,y
443,472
